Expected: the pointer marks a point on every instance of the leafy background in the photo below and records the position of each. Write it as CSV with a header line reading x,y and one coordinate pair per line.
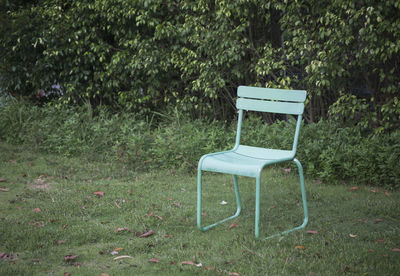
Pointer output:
x,y
154,82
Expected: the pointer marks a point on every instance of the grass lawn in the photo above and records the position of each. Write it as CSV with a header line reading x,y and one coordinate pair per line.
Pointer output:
x,y
75,215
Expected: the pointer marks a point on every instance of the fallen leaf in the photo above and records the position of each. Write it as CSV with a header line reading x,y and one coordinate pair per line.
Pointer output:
x,y
104,274
387,194
223,202
147,234
380,240
4,189
353,188
312,232
188,262
36,261
385,255
123,257
154,260
177,204
38,224
150,214
118,249
42,175
208,268
39,181
8,256
378,220
250,251
233,225
234,273
191,263
300,247
159,217
317,181
64,226
375,191
120,229
2,180
60,242
67,274
70,257
396,249
287,170
99,193
370,250
346,269
36,210
352,235
12,161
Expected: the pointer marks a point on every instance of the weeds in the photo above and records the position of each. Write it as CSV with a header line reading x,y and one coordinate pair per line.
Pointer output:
x,y
327,151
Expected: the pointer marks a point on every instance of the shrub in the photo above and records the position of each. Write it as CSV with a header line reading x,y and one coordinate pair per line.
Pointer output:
x,y
326,150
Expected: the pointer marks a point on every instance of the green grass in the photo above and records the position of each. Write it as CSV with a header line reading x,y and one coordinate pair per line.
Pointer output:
x,y
349,239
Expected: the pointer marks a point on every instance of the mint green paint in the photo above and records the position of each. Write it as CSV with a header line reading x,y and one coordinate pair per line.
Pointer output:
x,y
250,161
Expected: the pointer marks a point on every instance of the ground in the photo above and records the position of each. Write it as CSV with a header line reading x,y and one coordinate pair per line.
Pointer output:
x,y
88,217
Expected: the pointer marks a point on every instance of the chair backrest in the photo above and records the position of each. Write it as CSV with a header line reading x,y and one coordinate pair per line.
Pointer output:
x,y
271,100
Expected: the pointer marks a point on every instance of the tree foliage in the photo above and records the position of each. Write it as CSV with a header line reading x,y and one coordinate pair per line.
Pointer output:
x,y
347,53
154,54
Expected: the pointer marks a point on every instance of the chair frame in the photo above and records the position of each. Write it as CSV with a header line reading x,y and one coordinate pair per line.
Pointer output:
x,y
265,100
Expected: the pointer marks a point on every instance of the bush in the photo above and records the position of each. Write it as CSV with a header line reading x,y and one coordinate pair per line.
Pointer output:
x,y
326,150
147,55
333,153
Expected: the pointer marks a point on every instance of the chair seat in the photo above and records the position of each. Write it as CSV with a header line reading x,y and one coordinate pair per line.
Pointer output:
x,y
245,160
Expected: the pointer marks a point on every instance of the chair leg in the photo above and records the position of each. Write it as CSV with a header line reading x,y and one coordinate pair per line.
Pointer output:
x,y
303,195
199,202
257,210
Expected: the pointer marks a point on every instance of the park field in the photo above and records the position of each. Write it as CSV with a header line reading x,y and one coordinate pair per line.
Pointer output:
x,y
81,216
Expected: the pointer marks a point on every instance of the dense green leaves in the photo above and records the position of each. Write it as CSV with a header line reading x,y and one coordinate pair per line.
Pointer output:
x,y
151,54
348,51
327,150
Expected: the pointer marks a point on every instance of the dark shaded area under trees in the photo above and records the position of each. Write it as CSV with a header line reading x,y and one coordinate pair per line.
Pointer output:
x,y
151,55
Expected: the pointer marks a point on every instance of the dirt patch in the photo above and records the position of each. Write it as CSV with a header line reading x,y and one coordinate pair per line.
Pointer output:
x,y
39,184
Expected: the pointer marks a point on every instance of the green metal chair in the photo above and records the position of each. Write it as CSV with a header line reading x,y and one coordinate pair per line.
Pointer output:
x,y
248,160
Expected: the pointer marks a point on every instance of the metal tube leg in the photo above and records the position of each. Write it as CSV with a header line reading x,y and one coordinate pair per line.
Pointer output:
x,y
199,202
257,210
237,194
199,198
303,192
305,209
